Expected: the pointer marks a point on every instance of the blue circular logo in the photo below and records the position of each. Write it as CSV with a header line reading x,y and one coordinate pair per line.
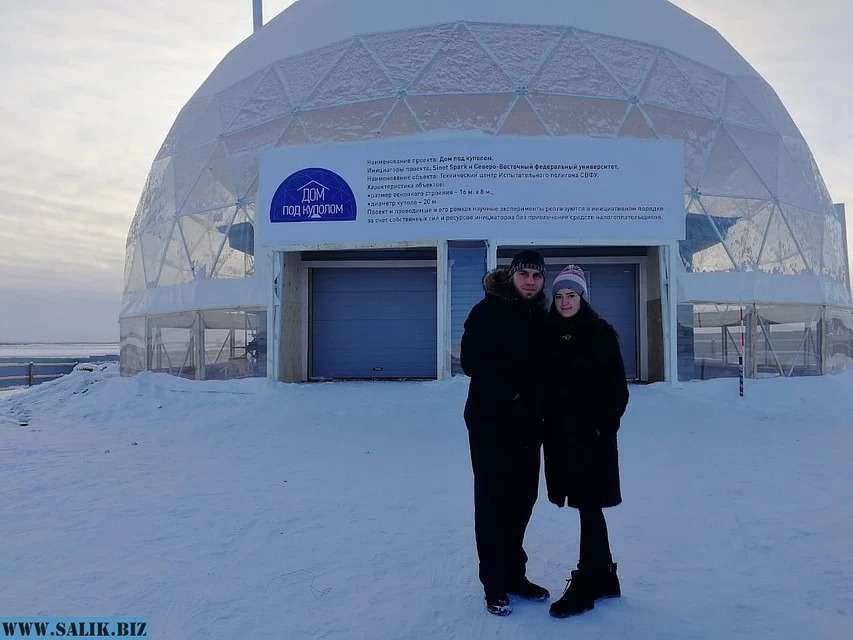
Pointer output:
x,y
313,195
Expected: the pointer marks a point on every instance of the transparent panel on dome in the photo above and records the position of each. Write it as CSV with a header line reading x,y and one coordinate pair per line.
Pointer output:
x,y
703,250
188,167
779,253
834,258
518,49
467,265
839,338
697,133
206,234
401,121
302,72
566,115
355,78
729,173
462,66
787,340
134,272
711,338
761,150
572,70
629,62
484,112
800,183
668,87
154,240
808,230
237,259
176,267
171,344
358,121
132,347
710,84
743,233
235,344
258,138
268,101
405,54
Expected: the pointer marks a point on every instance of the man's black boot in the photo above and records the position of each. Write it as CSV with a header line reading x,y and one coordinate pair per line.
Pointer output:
x,y
497,603
576,599
605,583
529,591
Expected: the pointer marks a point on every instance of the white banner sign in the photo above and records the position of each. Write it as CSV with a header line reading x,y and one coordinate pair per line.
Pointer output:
x,y
512,189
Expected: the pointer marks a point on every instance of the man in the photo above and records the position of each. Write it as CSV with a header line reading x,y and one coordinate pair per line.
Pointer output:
x,y
502,352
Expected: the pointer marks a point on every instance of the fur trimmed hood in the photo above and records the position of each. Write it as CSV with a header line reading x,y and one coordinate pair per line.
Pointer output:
x,y
498,283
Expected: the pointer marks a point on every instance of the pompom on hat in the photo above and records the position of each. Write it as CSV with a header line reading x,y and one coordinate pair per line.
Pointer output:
x,y
571,277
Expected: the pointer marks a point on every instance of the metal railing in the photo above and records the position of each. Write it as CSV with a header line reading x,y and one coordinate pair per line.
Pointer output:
x,y
19,373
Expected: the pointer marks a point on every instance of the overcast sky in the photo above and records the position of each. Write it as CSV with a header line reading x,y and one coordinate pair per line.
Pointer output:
x,y
91,87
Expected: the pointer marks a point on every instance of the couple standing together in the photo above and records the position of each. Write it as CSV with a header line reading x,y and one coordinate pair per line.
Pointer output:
x,y
542,379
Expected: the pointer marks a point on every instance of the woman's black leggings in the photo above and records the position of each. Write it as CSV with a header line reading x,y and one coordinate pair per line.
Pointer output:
x,y
595,548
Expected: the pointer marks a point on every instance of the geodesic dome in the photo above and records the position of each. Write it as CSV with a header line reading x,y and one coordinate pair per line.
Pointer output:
x,y
333,70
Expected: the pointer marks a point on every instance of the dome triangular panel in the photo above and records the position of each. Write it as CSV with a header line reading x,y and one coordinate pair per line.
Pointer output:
x,y
205,235
743,237
238,254
571,69
729,174
522,120
188,168
268,101
462,66
570,115
356,77
401,121
519,50
232,99
697,133
668,87
629,62
807,228
483,112
739,110
780,254
304,72
405,54
710,85
635,126
176,266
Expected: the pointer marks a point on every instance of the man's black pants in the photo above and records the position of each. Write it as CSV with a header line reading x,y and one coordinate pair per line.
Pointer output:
x,y
506,484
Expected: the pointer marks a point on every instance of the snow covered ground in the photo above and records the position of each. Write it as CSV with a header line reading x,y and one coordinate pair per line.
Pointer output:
x,y
253,509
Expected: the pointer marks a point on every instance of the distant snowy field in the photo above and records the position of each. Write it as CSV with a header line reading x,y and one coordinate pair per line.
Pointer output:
x,y
58,350
251,509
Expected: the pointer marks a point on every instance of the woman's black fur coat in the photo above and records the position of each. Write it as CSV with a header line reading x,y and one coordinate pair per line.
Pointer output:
x,y
585,397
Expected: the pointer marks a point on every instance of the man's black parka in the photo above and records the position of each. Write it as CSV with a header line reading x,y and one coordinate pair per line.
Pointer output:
x,y
502,352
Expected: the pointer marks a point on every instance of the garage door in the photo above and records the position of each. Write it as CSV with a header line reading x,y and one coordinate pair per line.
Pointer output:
x,y
373,323
613,294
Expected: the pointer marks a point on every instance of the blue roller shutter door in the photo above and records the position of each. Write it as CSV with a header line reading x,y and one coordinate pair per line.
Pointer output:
x,y
613,294
373,323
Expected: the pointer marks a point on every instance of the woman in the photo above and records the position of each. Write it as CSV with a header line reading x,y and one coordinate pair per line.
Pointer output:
x,y
586,395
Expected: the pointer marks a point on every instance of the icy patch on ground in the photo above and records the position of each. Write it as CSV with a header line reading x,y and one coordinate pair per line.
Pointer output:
x,y
248,508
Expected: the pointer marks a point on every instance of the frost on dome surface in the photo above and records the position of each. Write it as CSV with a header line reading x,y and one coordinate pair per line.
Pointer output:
x,y
754,198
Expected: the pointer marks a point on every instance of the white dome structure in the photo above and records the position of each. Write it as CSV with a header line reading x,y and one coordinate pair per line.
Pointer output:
x,y
762,233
